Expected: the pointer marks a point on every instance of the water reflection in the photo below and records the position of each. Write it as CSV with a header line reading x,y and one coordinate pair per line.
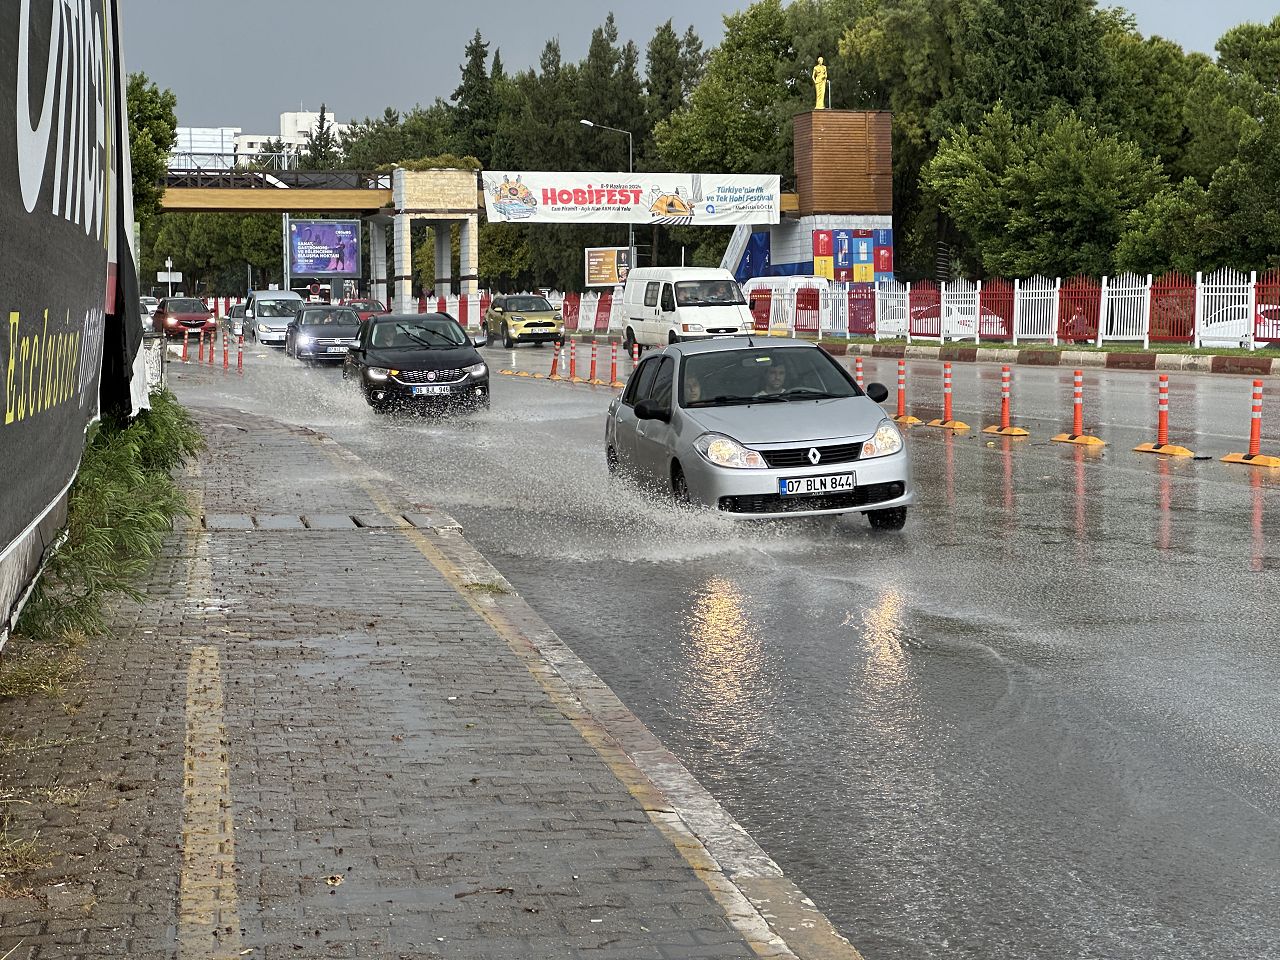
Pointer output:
x,y
725,649
1258,553
1166,507
885,668
1010,514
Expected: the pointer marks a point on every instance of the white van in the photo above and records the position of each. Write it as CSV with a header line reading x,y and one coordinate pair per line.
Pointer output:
x,y
664,305
267,314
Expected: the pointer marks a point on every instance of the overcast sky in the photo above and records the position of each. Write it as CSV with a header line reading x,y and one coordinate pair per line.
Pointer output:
x,y
241,63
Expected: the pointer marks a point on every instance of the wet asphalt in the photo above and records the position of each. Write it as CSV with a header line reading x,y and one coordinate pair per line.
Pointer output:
x,y
1039,722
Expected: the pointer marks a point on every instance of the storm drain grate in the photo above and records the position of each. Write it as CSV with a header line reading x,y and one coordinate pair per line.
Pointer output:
x,y
276,522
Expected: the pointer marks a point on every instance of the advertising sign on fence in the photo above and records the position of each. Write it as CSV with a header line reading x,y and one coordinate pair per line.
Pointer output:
x,y
701,199
71,329
607,266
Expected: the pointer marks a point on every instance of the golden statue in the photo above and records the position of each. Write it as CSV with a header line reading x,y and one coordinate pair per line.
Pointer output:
x,y
820,83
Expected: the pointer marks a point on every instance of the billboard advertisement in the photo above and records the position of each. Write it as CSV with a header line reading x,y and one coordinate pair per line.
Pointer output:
x,y
70,324
700,199
324,248
607,266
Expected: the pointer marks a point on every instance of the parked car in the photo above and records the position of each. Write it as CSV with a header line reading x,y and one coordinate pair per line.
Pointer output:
x,y
671,304
757,428
366,309
1232,324
321,333
267,314
148,305
523,318
182,316
401,360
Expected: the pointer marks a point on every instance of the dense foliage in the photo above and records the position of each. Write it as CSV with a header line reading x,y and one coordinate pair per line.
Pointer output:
x,y
1029,136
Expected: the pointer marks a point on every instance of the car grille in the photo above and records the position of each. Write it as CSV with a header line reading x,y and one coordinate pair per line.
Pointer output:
x,y
776,503
193,323
546,324
437,376
799,456
333,342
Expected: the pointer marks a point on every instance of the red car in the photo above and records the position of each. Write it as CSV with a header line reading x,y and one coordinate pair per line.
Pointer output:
x,y
366,308
177,316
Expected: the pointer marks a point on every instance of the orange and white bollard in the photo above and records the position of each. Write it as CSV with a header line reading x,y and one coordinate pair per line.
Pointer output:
x,y
1254,457
213,337
1162,444
240,354
613,366
635,355
857,373
555,365
901,416
1003,428
200,356
226,353
948,422
1077,434
593,378
573,362
186,345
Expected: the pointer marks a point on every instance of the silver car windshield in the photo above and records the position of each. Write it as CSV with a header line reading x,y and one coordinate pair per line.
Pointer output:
x,y
761,375
708,293
277,308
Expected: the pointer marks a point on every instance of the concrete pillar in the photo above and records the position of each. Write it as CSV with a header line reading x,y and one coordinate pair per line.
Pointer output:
x,y
469,256
442,231
404,302
378,260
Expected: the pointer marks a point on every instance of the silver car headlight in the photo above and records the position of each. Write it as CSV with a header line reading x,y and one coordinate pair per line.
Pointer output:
x,y
476,369
727,452
887,440
378,373
263,328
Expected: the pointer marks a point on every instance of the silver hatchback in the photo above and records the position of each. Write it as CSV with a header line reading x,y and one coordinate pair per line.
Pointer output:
x,y
760,428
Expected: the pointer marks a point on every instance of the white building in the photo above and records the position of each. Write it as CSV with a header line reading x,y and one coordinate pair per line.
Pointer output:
x,y
221,148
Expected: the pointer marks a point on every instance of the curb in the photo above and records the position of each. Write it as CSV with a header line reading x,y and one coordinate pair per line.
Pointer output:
x,y
765,907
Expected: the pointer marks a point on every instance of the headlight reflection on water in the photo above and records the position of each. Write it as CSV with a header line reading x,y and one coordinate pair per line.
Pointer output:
x,y
724,649
886,663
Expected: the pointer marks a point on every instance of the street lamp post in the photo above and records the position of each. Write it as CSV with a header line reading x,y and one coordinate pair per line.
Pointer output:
x,y
631,230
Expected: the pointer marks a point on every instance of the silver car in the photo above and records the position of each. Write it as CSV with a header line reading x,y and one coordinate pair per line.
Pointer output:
x,y
760,428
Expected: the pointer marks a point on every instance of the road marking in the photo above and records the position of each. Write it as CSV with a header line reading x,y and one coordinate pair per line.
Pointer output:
x,y
208,909
756,906
208,912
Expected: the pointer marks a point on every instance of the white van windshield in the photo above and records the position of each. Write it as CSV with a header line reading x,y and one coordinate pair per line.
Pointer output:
x,y
278,308
707,293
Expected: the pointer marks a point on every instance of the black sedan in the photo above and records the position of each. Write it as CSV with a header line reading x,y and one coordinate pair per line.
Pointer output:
x,y
321,333
416,359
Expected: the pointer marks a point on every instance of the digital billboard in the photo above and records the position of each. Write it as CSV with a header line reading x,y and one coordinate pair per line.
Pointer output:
x,y
606,266
324,248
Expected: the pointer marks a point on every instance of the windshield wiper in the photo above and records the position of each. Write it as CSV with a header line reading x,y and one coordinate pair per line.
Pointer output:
x,y
426,343
808,393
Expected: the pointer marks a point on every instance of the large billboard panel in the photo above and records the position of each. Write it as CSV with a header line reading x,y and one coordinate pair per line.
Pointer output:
x,y
70,326
324,248
699,199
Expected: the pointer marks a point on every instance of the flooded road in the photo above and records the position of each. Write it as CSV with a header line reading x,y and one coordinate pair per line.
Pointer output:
x,y
1039,722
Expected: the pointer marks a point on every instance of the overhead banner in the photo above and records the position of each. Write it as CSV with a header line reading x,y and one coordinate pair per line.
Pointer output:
x,y
607,266
701,199
70,326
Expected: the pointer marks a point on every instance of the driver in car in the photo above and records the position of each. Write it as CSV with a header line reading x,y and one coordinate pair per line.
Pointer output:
x,y
775,380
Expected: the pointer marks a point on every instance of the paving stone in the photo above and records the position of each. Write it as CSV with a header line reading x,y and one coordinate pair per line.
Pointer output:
x,y
228,521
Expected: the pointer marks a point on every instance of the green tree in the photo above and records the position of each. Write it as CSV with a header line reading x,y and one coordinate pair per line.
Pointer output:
x,y
322,150
1052,197
153,124
1253,50
372,143
1164,233
475,111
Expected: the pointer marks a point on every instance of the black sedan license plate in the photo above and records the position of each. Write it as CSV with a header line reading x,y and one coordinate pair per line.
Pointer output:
x,y
801,486
434,390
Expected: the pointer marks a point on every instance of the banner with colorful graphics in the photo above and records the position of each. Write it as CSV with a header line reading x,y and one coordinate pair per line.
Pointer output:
x,y
701,199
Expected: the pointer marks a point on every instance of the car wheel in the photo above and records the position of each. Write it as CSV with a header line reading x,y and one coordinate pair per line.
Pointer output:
x,y
679,487
506,338
671,337
611,460
894,518
629,341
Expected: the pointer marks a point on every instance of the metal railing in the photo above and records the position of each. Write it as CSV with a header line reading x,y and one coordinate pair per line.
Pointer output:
x,y
250,179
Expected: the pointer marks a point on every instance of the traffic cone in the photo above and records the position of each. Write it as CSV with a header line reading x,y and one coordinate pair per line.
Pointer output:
x,y
947,422
901,416
1077,434
1003,428
1253,458
1162,444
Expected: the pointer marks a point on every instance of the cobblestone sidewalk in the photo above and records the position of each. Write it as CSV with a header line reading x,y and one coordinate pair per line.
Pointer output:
x,y
332,730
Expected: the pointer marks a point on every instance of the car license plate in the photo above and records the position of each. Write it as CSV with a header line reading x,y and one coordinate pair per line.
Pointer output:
x,y
434,390
800,486
337,349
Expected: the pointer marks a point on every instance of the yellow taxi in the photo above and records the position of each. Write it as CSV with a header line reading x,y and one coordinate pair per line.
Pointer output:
x,y
523,318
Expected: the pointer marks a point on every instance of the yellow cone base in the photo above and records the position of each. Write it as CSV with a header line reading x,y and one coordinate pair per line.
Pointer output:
x,y
507,373
1082,439
1006,431
1167,449
617,384
539,376
907,419
948,424
576,380
524,373
1261,460
555,376
597,383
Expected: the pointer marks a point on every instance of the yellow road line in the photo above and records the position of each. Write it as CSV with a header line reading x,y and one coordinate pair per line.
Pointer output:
x,y
208,912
